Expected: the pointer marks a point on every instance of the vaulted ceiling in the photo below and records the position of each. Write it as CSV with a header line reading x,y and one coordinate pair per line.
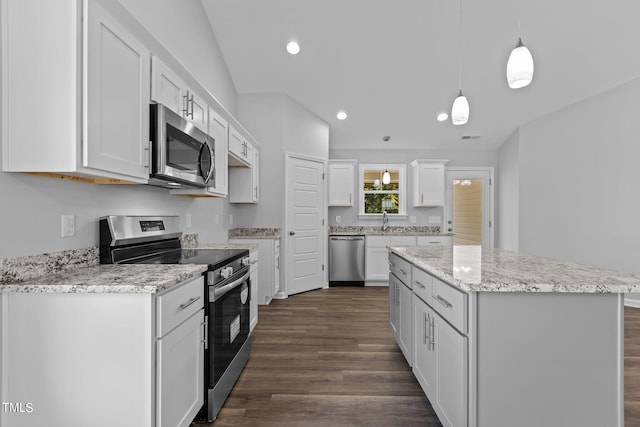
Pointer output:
x,y
393,65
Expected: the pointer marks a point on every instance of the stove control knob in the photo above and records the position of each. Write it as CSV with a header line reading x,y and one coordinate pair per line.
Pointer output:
x,y
245,261
226,272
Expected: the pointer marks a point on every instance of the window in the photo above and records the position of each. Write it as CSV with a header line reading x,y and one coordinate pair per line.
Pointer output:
x,y
376,197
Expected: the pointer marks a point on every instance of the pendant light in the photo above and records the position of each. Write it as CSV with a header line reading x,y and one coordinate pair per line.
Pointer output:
x,y
386,176
460,108
520,63
519,66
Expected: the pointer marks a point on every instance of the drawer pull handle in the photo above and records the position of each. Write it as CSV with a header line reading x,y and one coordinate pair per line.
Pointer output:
x,y
402,271
188,303
443,301
419,284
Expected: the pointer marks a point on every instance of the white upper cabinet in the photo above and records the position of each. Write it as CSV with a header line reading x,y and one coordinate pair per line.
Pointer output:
x,y
244,181
170,90
116,97
240,150
341,182
90,78
428,182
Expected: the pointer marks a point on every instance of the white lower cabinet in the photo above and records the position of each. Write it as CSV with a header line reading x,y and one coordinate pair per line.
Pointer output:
x,y
180,373
104,359
405,335
394,302
376,254
440,364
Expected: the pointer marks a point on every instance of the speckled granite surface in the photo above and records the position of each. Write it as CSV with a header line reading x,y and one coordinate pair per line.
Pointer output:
x,y
250,246
28,267
110,278
189,240
422,230
473,268
254,233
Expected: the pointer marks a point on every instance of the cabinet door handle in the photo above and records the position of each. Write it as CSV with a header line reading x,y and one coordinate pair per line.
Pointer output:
x,y
404,273
426,329
422,198
420,285
432,334
188,303
185,110
191,102
350,202
443,301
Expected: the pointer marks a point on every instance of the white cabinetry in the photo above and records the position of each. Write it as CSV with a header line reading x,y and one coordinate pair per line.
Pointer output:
x,y
341,182
170,90
401,322
138,353
254,278
440,364
428,182
268,269
180,355
244,181
240,150
434,240
91,79
376,254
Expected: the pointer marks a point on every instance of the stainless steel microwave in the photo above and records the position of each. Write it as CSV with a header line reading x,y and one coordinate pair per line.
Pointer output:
x,y
181,154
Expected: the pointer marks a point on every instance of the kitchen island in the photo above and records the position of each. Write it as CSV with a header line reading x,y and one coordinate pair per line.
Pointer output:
x,y
498,338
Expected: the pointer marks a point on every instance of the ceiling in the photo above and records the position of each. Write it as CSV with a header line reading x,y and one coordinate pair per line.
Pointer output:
x,y
393,65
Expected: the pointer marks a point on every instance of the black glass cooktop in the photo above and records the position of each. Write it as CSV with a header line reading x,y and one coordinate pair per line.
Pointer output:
x,y
215,258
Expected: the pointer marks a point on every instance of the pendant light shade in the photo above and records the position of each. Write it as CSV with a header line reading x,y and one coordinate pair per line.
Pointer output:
x,y
519,66
460,110
386,177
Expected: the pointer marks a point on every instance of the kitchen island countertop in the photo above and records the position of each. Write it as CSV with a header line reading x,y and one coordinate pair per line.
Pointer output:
x,y
478,269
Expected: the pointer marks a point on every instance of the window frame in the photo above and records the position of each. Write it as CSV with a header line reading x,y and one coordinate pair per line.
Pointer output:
x,y
402,187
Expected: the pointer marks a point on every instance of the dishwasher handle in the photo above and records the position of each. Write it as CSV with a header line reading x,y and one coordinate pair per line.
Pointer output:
x,y
350,238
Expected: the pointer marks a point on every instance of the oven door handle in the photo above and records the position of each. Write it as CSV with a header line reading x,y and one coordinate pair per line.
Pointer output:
x,y
220,291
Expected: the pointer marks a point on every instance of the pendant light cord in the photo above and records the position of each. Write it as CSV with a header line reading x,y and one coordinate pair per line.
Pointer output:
x,y
460,43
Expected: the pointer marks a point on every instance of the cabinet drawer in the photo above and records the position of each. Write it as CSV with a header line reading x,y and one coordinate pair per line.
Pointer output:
x,y
450,304
422,284
178,305
434,240
377,241
402,240
401,269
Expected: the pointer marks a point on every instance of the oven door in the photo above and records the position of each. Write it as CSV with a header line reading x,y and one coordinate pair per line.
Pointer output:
x,y
228,323
181,152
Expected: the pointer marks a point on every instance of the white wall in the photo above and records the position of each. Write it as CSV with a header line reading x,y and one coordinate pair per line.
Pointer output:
x,y
281,125
349,215
183,29
30,207
579,170
507,192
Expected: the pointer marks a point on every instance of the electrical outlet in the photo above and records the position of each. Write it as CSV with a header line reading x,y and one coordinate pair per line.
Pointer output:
x,y
67,225
412,219
217,219
230,219
435,219
187,220
338,218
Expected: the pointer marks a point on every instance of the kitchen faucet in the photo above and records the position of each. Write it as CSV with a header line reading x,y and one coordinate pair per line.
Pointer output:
x,y
385,221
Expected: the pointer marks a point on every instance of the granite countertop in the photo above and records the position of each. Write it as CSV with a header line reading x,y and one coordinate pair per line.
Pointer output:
x,y
349,230
473,268
249,246
254,233
109,278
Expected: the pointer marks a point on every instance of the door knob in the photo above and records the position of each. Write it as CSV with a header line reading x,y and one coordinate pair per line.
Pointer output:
x,y
292,233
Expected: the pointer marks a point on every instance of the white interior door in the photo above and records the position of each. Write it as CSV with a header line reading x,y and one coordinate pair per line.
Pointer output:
x,y
304,225
469,207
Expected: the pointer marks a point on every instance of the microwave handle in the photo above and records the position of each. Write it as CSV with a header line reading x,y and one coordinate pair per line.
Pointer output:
x,y
206,175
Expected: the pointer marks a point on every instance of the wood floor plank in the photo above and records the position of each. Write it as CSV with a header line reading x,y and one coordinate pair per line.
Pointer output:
x,y
326,358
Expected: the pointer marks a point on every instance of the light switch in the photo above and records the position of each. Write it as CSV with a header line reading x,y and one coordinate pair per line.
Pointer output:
x,y
187,220
217,219
412,219
230,219
338,218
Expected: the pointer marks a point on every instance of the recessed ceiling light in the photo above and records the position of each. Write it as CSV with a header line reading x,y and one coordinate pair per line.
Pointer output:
x,y
442,117
293,48
341,115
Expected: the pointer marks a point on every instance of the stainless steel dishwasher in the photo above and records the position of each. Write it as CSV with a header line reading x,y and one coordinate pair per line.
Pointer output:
x,y
346,260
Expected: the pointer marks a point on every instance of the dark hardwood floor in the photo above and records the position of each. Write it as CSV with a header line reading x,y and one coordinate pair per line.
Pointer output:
x,y
327,358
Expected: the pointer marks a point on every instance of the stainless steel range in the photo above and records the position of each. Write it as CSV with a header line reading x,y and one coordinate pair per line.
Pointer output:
x,y
156,240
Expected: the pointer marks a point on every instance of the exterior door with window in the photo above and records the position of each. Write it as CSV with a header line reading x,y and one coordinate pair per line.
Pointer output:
x,y
469,208
305,213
